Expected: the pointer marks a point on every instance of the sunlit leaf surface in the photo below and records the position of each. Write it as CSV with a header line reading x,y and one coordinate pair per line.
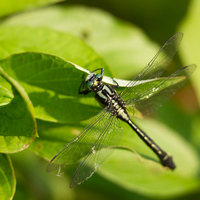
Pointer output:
x,y
7,178
17,121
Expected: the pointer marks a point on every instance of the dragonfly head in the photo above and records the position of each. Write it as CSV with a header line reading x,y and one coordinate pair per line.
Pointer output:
x,y
92,80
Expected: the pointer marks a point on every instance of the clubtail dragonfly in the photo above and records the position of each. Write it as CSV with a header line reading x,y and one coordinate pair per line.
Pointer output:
x,y
105,126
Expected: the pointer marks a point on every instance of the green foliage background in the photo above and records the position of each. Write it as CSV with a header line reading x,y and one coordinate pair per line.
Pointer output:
x,y
41,111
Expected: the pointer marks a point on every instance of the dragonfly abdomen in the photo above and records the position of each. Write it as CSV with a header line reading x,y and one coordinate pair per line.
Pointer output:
x,y
106,95
165,158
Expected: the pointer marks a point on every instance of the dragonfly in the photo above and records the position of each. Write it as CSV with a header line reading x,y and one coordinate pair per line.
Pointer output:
x,y
94,144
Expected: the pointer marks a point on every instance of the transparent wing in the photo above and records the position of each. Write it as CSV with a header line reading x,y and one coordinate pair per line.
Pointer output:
x,y
82,144
110,136
155,67
148,101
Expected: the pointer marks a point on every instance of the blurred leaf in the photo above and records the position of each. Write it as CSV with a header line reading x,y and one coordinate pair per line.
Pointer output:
x,y
195,137
190,53
122,45
7,178
124,170
12,6
17,122
52,85
34,183
66,46
5,96
53,137
144,176
158,19
191,46
181,151
22,39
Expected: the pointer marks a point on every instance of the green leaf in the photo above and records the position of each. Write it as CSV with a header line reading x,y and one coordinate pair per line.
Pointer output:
x,y
22,39
143,174
124,47
10,6
123,169
181,151
139,171
7,178
52,85
53,137
5,96
190,46
32,181
17,122
121,45
65,45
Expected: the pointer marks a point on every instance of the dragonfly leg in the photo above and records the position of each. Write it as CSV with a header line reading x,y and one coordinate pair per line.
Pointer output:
x,y
117,85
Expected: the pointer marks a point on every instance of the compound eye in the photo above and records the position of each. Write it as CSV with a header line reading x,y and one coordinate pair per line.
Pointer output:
x,y
99,77
89,84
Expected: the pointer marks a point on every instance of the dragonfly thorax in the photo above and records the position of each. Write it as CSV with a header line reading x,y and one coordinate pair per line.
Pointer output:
x,y
106,95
